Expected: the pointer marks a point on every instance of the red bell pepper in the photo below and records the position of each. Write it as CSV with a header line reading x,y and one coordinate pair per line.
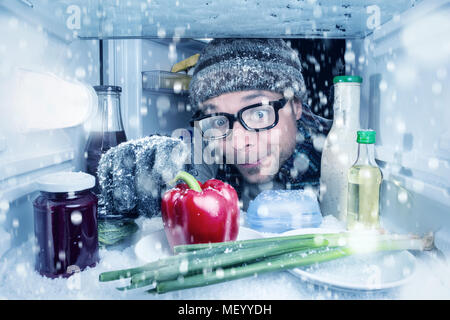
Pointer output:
x,y
193,212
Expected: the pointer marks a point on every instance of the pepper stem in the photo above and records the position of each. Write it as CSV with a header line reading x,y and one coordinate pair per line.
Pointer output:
x,y
189,179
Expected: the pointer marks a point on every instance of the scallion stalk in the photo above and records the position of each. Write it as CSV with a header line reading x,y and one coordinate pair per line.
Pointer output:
x,y
188,266
233,254
238,243
276,263
211,249
126,273
341,237
286,261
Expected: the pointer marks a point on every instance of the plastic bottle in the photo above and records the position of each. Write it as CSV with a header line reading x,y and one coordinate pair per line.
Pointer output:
x,y
340,148
364,180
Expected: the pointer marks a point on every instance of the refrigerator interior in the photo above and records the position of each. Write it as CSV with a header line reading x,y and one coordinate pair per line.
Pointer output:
x,y
50,59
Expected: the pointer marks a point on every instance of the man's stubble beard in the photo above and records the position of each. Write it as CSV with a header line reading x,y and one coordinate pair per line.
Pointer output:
x,y
258,170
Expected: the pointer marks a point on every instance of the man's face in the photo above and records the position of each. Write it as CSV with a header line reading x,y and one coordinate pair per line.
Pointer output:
x,y
257,155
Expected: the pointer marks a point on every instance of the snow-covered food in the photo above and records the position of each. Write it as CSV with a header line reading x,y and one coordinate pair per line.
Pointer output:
x,y
278,211
132,177
133,174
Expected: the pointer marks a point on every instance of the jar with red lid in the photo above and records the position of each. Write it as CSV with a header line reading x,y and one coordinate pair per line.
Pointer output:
x,y
65,224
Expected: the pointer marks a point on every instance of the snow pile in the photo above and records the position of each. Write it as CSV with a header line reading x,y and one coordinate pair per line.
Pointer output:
x,y
132,176
331,222
431,280
19,280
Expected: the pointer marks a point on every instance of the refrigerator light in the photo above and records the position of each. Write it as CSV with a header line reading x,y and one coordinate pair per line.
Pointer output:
x,y
43,101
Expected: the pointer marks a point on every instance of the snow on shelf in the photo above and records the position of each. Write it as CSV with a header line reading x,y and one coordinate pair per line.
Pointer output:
x,y
18,280
210,19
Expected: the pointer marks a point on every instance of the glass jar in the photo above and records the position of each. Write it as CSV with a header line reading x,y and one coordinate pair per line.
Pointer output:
x,y
65,224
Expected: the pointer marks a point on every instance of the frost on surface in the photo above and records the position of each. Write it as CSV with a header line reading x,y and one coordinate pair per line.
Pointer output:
x,y
199,19
5,239
19,280
283,210
133,175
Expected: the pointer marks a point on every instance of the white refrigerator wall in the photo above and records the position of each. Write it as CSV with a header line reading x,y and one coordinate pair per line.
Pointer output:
x,y
44,68
161,112
147,112
405,66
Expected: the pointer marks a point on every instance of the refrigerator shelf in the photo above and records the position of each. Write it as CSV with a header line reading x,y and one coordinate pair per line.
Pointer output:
x,y
199,19
166,91
165,82
17,167
25,185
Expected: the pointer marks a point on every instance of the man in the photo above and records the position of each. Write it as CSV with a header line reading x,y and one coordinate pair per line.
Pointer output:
x,y
249,95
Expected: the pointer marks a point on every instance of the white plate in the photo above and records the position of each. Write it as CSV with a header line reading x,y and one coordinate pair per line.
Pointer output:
x,y
155,245
368,272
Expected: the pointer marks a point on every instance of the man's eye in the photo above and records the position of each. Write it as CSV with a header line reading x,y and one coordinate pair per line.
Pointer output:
x,y
260,114
219,123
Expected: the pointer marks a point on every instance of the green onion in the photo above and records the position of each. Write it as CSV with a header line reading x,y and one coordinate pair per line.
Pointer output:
x,y
277,263
242,243
206,264
126,273
200,250
341,238
187,266
281,262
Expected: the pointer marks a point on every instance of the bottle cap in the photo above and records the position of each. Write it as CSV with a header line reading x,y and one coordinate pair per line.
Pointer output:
x,y
65,182
366,136
107,88
356,79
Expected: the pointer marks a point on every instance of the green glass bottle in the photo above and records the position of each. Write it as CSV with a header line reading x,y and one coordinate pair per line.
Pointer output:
x,y
364,181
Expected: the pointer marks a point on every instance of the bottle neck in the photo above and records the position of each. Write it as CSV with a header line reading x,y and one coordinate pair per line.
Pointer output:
x,y
109,118
366,155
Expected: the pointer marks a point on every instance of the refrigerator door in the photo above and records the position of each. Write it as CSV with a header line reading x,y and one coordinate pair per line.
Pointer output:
x,y
405,65
46,99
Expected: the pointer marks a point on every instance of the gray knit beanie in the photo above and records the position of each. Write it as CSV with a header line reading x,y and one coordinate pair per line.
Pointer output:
x,y
228,65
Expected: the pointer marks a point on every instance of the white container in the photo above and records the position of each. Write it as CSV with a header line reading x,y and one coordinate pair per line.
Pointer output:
x,y
340,149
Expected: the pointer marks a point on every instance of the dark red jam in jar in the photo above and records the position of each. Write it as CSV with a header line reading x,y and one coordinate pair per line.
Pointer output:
x,y
65,224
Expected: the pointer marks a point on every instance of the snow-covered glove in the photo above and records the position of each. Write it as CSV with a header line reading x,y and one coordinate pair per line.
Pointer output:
x,y
134,175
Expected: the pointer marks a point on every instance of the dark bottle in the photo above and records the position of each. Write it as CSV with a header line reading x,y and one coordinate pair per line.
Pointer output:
x,y
65,224
106,132
107,129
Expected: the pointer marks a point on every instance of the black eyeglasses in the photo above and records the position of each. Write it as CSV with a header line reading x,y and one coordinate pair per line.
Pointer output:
x,y
256,117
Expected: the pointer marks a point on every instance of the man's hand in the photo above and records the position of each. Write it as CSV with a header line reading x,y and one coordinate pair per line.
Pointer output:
x,y
134,174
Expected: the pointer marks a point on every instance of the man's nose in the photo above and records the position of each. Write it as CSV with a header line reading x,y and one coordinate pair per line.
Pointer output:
x,y
241,138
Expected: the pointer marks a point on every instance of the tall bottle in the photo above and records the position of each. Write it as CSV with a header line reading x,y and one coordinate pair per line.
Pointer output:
x,y
339,148
107,132
364,180
107,128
